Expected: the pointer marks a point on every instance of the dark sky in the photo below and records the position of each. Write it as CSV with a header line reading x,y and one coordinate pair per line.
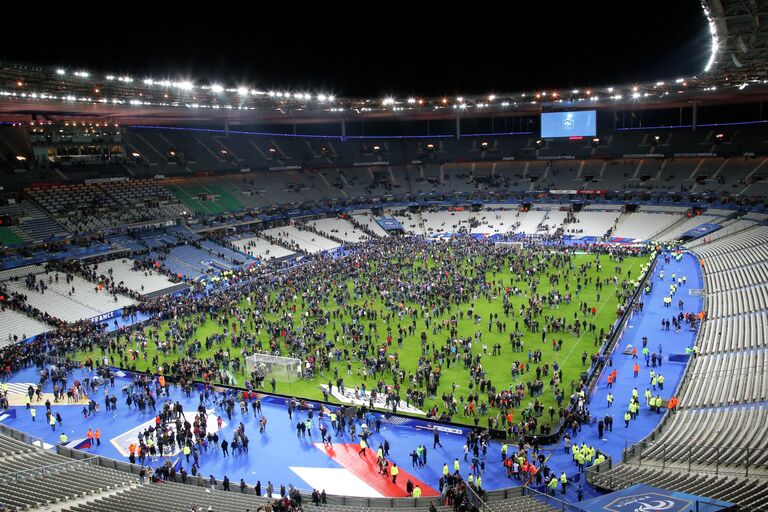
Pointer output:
x,y
375,50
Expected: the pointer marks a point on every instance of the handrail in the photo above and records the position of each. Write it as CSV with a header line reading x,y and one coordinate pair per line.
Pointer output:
x,y
550,500
475,499
31,473
594,469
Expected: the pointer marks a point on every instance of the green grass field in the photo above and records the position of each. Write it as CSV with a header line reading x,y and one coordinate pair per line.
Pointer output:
x,y
498,367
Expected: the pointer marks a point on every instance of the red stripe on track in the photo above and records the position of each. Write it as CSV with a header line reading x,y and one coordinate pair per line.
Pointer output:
x,y
366,467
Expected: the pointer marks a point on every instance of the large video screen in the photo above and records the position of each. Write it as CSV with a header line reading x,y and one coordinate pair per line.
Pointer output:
x,y
579,123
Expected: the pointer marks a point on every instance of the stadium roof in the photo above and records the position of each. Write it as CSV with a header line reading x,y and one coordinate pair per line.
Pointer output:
x,y
27,90
737,72
739,31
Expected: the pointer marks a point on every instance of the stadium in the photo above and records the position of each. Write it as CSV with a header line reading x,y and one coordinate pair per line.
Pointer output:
x,y
228,297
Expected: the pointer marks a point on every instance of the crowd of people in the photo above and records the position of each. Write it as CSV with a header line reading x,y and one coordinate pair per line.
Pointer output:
x,y
312,312
298,307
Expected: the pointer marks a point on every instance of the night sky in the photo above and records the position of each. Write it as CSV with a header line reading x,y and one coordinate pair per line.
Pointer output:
x,y
376,50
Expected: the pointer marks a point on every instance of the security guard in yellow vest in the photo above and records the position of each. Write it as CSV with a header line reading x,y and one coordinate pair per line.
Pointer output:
x,y
552,485
394,471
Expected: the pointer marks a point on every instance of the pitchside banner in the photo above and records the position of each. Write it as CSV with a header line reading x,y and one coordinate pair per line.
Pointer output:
x,y
390,224
573,192
644,498
701,230
104,317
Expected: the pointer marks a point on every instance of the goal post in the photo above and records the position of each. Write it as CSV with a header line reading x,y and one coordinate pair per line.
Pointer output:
x,y
268,366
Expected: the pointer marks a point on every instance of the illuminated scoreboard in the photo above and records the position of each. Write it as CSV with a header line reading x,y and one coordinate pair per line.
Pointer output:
x,y
578,123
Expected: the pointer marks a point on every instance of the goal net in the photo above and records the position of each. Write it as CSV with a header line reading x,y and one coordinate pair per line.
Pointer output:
x,y
267,366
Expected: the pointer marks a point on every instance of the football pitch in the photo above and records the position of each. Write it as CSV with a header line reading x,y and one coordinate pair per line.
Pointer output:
x,y
553,290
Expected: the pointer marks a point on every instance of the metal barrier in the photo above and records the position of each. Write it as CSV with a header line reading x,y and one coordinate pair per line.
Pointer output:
x,y
43,471
551,500
708,506
597,469
475,500
21,436
503,494
60,361
727,460
353,501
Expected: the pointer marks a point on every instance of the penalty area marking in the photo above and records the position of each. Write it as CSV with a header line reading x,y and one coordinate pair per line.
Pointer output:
x,y
122,441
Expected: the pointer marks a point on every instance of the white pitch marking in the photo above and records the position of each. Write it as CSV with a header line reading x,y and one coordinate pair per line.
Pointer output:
x,y
336,481
349,398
